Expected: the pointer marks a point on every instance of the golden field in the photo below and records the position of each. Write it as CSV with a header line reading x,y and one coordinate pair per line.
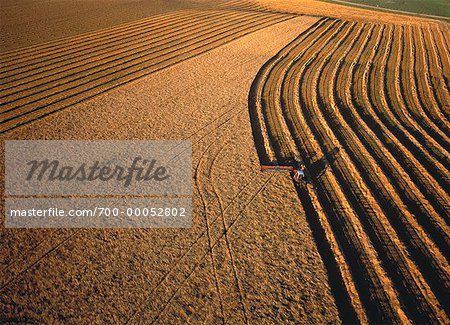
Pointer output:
x,y
360,97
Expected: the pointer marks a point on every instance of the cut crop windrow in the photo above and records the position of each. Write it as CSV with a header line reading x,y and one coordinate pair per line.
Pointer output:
x,y
374,288
112,77
429,100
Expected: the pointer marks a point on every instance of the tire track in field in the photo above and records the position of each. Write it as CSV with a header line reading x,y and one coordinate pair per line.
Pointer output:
x,y
227,240
382,198
235,203
46,242
211,206
33,98
218,236
9,274
232,223
199,135
206,212
14,271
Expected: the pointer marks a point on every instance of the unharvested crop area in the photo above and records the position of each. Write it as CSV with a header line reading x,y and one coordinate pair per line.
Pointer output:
x,y
365,107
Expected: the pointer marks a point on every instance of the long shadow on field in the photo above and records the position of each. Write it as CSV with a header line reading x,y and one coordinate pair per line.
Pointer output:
x,y
254,120
319,167
346,310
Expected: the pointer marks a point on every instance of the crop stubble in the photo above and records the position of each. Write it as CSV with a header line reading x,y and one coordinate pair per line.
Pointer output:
x,y
47,78
370,127
363,105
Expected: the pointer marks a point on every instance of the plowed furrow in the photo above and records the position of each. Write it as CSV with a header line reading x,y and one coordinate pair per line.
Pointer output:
x,y
103,80
439,85
119,58
411,92
52,65
351,135
373,286
391,252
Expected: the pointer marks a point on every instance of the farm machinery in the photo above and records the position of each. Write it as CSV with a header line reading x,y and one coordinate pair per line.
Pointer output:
x,y
296,170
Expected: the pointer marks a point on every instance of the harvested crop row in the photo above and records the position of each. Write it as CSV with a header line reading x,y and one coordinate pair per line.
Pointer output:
x,y
339,102
351,137
436,75
409,90
271,105
52,50
386,101
62,74
443,47
358,99
374,288
148,35
396,81
242,5
425,87
407,189
348,175
58,89
257,116
377,295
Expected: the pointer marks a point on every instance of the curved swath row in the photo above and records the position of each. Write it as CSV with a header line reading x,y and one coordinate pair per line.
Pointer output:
x,y
377,154
242,5
42,79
